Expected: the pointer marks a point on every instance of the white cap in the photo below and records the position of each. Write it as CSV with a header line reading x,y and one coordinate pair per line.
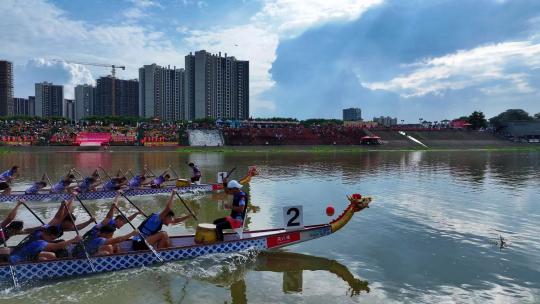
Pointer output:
x,y
234,184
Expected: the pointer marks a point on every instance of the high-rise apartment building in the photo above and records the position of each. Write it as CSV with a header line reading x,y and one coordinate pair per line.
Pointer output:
x,y
215,86
84,101
125,100
23,106
6,88
161,92
69,109
49,100
385,121
352,114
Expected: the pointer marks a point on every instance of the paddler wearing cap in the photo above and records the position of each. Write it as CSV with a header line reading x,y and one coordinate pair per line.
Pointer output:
x,y
238,210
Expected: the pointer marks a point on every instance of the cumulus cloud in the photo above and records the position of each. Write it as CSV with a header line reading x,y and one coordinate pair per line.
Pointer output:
x,y
258,40
492,67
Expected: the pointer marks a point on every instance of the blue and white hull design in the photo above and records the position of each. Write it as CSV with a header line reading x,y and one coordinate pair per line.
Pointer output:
x,y
96,195
183,248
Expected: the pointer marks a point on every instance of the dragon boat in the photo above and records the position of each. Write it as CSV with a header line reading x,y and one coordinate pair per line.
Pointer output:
x,y
183,247
181,186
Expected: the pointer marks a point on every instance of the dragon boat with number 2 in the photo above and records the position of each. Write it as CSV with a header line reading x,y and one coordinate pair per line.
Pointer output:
x,y
183,247
181,186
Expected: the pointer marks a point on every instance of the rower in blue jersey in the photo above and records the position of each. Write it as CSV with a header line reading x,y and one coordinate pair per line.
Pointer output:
x,y
238,210
160,180
150,228
64,184
6,178
89,183
196,173
109,220
138,180
36,186
9,226
40,246
103,243
115,183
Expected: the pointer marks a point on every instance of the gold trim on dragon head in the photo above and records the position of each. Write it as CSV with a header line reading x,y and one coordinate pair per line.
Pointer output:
x,y
358,202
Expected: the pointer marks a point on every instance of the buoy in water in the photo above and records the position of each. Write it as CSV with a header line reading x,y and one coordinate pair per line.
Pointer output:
x,y
330,210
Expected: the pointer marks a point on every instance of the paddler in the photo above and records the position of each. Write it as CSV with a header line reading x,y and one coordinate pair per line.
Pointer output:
x,y
89,183
151,227
138,180
64,184
9,227
5,180
160,180
196,173
238,210
103,243
40,246
36,186
114,223
115,183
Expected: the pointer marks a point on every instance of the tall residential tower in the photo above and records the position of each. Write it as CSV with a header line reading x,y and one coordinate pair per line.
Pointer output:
x,y
6,88
161,92
49,100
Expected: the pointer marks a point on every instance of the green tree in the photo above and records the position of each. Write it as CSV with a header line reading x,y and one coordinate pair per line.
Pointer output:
x,y
537,116
510,115
477,120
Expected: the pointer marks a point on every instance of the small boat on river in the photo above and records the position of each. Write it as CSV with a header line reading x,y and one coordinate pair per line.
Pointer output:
x,y
183,247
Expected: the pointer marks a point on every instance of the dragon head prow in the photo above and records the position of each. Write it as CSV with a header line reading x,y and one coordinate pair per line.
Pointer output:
x,y
253,171
358,202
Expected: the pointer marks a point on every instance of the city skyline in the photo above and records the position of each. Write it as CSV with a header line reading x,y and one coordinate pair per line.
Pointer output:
x,y
305,55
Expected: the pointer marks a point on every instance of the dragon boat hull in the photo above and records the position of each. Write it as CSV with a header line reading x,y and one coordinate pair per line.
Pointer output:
x,y
96,195
184,248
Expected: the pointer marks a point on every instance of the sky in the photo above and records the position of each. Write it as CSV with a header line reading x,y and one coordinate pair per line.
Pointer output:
x,y
431,59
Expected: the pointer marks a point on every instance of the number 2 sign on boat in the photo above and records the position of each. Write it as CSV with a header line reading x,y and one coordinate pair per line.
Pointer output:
x,y
293,217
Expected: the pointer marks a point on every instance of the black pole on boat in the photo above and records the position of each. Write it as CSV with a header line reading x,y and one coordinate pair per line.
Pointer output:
x,y
132,203
11,267
31,211
173,171
79,235
85,209
185,205
230,172
140,234
107,174
49,179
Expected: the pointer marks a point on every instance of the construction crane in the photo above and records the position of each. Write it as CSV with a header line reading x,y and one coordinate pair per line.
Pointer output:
x,y
113,74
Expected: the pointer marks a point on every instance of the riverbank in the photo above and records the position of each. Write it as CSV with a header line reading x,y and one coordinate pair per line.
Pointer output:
x,y
461,146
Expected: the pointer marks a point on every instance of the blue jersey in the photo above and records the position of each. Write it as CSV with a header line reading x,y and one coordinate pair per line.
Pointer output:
x,y
28,251
6,175
135,181
34,189
239,199
90,244
196,171
86,184
150,226
59,187
158,180
111,185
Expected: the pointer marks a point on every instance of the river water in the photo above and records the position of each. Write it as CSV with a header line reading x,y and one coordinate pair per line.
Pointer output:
x,y
430,236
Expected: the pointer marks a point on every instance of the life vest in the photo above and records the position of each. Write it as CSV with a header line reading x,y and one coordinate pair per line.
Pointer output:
x,y
150,226
27,250
237,198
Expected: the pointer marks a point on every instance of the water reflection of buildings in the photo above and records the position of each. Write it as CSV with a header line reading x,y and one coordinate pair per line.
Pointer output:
x,y
292,266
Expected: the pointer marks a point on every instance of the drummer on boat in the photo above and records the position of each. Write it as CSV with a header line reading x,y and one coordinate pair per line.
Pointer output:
x,y
150,228
238,210
6,178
